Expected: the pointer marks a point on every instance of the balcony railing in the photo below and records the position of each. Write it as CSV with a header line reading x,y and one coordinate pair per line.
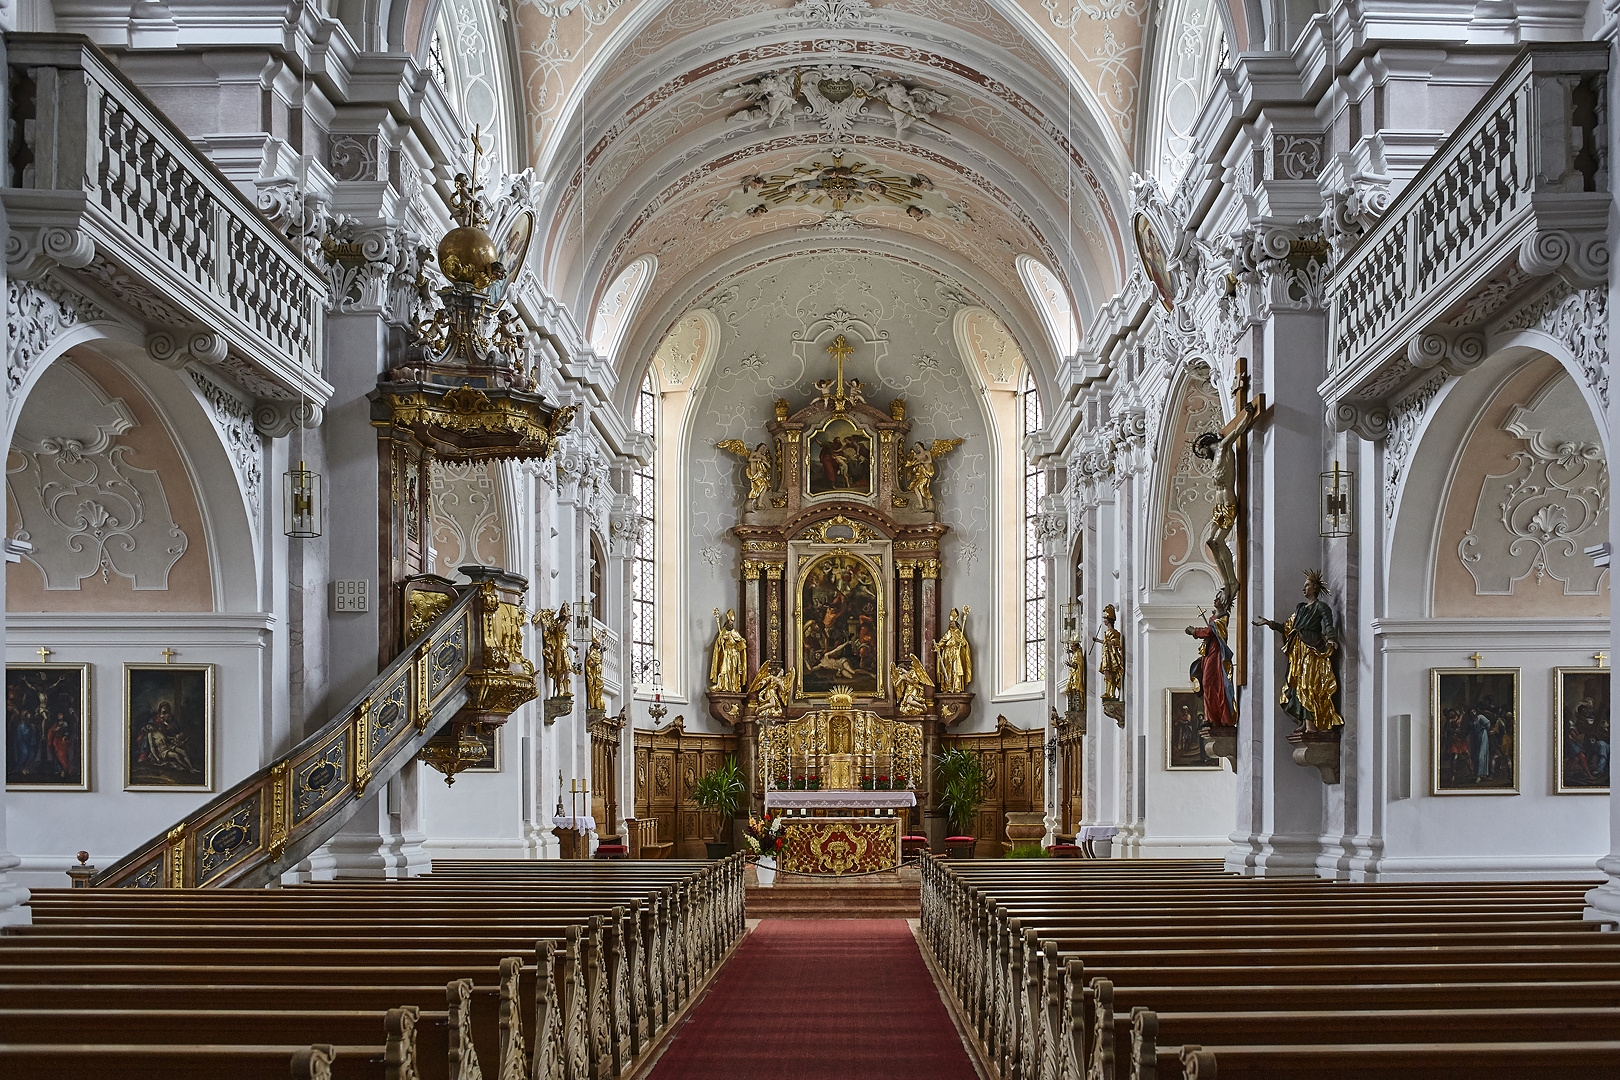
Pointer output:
x,y
101,185
1518,192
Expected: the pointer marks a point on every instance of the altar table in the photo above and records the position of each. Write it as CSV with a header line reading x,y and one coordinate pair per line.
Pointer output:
x,y
839,844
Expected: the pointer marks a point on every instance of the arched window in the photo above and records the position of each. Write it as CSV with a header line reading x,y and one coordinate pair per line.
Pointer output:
x,y
643,570
1052,301
618,304
441,74
1029,407
598,561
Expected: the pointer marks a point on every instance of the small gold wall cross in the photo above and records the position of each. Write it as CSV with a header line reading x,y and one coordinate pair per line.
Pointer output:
x,y
1476,658
1602,659
168,655
43,653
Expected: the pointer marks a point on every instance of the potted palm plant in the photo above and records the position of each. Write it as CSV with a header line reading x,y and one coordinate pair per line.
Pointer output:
x,y
720,792
962,785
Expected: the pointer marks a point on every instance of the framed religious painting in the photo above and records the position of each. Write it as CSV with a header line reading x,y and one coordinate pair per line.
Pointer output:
x,y
1154,259
1183,746
1581,705
491,759
1474,725
841,629
168,727
47,727
838,459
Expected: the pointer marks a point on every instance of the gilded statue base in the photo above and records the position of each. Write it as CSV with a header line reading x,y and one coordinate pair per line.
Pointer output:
x,y
839,846
1220,743
1318,750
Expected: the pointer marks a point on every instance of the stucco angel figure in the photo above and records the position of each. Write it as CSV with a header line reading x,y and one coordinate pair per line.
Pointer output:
x,y
909,688
757,469
1217,447
555,649
594,654
1309,641
729,665
773,97
772,686
953,657
1111,666
920,462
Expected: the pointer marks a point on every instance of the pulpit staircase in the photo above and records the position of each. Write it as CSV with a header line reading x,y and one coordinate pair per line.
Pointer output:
x,y
466,666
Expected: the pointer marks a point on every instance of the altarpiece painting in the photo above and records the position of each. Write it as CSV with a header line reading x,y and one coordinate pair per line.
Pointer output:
x,y
841,629
168,727
838,459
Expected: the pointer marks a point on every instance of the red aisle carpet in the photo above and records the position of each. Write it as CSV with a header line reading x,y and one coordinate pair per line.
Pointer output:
x,y
816,1000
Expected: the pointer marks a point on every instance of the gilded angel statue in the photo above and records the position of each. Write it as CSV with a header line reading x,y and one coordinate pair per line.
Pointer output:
x,y
920,463
772,686
909,684
757,469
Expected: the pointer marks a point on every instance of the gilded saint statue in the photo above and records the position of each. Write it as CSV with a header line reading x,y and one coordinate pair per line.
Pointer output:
x,y
910,683
1075,684
920,463
594,653
757,468
772,686
555,649
1309,641
1212,671
728,668
1111,666
953,659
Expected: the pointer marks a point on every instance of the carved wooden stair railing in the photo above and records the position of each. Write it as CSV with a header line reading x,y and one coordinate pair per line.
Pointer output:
x,y
463,663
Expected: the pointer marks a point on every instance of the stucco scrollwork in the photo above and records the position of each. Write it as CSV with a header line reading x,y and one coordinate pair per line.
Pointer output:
x,y
1401,422
1578,319
233,418
1538,518
37,313
835,96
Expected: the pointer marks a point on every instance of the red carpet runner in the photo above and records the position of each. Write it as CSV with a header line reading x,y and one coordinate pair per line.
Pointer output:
x,y
817,1000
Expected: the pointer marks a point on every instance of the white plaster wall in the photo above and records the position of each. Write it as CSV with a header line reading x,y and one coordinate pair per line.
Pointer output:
x,y
481,815
46,828
1533,833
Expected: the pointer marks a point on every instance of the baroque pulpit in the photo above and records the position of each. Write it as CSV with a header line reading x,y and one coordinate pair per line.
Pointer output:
x,y
839,583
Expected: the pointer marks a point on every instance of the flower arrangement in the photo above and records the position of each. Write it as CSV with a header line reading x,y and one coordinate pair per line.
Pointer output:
x,y
883,783
764,835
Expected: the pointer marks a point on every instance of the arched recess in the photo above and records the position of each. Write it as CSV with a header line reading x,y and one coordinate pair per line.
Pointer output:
x,y
678,364
1476,485
476,45
186,414
1188,44
1183,499
1052,302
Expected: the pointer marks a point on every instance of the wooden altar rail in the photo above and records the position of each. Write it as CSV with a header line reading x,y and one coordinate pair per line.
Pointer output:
x,y
559,971
1057,969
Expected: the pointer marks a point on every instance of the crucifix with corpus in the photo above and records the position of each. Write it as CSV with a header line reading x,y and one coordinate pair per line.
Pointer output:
x,y
1222,449
840,394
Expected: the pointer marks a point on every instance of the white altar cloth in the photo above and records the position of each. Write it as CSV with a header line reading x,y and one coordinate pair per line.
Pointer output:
x,y
584,823
839,800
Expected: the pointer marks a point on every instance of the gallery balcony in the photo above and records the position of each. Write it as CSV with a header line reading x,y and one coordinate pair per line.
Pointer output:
x,y
1513,206
108,198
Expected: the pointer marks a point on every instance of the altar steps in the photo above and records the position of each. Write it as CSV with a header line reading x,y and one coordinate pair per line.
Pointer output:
x,y
886,900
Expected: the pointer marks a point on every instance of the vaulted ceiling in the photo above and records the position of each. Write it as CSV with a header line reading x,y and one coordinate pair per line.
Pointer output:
x,y
1015,159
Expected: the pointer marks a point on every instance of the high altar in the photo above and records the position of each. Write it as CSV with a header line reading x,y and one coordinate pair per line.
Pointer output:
x,y
841,632
844,777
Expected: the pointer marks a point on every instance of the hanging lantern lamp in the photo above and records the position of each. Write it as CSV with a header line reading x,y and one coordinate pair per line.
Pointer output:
x,y
301,502
1337,502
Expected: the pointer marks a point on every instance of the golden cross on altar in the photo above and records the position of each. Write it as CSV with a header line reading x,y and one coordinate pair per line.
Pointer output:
x,y
841,350
1476,658
168,655
43,653
1602,659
